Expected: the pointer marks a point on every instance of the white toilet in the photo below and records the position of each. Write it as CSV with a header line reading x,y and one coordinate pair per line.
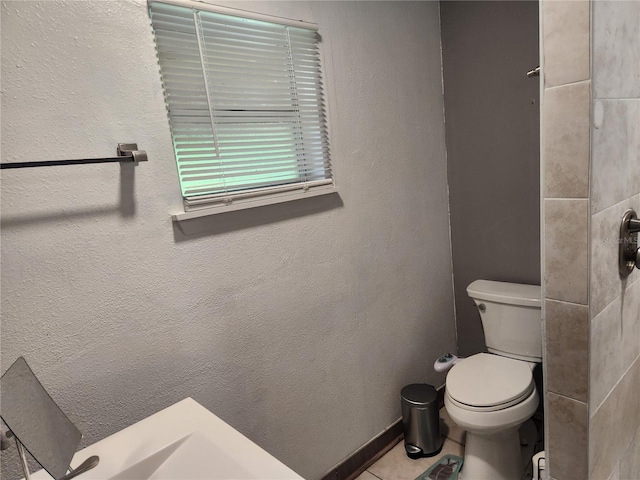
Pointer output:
x,y
490,395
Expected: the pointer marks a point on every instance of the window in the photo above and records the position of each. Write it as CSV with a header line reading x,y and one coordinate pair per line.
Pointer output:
x,y
245,104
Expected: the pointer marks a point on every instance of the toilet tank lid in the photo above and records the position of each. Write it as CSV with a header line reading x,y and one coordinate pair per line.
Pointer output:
x,y
504,292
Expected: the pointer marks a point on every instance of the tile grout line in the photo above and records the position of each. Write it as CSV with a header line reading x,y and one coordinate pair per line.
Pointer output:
x,y
614,99
455,441
550,299
575,82
615,205
566,198
595,315
618,382
567,397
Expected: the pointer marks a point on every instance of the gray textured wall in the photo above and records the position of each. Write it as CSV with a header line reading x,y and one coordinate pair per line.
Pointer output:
x,y
296,324
492,135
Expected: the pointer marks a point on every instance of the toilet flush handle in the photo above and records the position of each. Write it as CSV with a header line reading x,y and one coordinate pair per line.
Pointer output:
x,y
482,307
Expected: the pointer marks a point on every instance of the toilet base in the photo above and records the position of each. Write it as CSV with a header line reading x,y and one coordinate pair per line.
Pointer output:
x,y
493,457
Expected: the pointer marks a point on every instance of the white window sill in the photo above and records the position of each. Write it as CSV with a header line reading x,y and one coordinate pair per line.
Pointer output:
x,y
246,203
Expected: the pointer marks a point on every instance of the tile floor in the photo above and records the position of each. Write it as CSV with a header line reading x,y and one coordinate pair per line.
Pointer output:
x,y
395,465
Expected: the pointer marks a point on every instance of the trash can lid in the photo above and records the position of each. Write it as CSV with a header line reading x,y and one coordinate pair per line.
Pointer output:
x,y
419,394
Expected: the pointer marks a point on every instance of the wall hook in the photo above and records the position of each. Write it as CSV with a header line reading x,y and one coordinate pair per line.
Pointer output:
x,y
534,73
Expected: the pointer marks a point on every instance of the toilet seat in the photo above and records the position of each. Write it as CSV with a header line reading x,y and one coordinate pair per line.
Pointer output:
x,y
487,383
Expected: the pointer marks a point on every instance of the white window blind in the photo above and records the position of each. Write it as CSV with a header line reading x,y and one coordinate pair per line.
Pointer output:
x,y
245,104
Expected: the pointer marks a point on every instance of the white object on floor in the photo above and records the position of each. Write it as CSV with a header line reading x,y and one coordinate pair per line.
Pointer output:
x,y
183,441
539,465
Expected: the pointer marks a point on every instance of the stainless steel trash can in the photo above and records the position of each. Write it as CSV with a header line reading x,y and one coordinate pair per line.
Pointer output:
x,y
421,420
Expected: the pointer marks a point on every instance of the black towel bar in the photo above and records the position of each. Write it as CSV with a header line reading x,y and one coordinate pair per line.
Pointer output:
x,y
127,152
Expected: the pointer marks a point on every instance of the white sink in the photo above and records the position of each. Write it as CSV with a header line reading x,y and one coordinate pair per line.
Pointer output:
x,y
194,457
182,442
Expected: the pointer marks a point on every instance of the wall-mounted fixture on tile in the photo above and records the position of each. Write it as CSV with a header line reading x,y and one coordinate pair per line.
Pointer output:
x,y
629,251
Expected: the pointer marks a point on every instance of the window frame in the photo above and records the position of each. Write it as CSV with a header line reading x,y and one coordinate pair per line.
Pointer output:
x,y
226,201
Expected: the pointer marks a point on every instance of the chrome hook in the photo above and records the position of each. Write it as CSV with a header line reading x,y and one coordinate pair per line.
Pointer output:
x,y
534,73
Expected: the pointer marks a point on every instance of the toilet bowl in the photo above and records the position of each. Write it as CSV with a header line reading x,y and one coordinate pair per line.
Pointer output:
x,y
490,395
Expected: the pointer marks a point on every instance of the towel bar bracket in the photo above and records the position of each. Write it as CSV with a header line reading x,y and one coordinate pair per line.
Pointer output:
x,y
131,150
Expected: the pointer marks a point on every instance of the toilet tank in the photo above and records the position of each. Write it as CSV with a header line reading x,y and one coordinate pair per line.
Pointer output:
x,y
511,317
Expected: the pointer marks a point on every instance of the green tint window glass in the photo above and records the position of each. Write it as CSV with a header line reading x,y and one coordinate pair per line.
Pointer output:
x,y
245,102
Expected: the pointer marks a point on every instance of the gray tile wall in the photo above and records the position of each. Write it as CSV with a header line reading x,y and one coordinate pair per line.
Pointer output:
x,y
565,222
629,465
614,372
591,165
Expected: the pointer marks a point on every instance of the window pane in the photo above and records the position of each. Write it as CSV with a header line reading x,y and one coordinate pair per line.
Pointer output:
x,y
244,100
